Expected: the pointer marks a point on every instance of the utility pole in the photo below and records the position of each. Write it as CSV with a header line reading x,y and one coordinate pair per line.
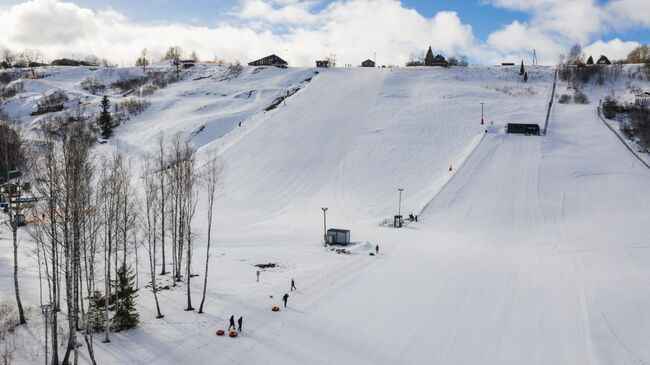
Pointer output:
x,y
324,225
399,206
45,308
482,114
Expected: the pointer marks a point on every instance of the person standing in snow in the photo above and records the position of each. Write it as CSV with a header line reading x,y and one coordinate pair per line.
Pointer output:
x,y
285,298
232,322
377,250
239,322
293,285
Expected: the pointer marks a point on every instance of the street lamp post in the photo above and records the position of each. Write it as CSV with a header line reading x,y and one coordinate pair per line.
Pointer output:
x,y
324,225
482,114
399,206
45,308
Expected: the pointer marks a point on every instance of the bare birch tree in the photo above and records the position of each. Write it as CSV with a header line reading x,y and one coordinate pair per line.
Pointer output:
x,y
212,179
13,158
150,226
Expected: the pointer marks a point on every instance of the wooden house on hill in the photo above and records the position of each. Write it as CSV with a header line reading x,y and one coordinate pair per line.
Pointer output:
x,y
272,60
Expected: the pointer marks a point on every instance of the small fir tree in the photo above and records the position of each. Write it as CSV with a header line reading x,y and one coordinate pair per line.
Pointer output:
x,y
590,60
105,120
97,308
126,316
521,69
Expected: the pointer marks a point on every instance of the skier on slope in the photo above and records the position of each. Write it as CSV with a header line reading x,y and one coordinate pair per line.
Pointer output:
x,y
285,298
239,322
293,285
377,250
232,323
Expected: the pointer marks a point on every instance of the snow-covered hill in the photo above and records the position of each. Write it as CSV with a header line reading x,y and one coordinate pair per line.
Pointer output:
x,y
531,250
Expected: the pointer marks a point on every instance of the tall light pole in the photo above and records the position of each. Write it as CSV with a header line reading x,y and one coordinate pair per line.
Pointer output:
x,y
399,206
324,225
482,114
45,308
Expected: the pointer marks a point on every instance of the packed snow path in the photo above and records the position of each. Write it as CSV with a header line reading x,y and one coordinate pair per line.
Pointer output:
x,y
536,252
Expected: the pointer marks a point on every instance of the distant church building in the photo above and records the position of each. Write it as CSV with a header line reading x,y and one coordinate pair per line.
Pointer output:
x,y
438,60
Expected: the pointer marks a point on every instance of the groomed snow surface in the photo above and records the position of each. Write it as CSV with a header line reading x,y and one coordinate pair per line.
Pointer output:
x,y
532,250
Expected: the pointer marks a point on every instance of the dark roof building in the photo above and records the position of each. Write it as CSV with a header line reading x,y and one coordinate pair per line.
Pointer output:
x,y
70,62
338,236
271,60
438,60
428,59
368,63
603,61
523,128
322,63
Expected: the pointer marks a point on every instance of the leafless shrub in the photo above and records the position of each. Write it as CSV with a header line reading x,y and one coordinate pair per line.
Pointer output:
x,y
639,120
133,106
580,98
11,90
564,99
93,86
610,107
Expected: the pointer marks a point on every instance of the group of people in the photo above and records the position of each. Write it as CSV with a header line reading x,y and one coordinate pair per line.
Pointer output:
x,y
285,297
240,321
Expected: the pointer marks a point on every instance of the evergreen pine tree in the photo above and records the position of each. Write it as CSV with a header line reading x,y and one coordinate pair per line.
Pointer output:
x,y
590,60
126,316
97,308
521,70
105,121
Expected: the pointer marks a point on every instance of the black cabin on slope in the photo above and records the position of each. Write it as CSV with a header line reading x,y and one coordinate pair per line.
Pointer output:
x,y
368,63
522,128
603,61
338,236
271,60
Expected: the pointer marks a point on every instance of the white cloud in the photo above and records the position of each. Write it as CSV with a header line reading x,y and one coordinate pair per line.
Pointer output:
x,y
278,11
576,20
614,49
352,29
624,14
517,41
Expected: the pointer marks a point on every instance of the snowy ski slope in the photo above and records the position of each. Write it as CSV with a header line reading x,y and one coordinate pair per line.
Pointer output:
x,y
532,250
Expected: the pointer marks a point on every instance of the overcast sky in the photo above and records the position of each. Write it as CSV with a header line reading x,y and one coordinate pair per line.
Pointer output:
x,y
487,31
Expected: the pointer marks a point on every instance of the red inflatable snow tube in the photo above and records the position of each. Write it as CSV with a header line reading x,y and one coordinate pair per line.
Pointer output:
x,y
220,332
232,333
275,309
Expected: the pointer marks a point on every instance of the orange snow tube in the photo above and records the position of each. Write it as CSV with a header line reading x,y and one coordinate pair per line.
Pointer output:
x,y
275,309
232,333
220,332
